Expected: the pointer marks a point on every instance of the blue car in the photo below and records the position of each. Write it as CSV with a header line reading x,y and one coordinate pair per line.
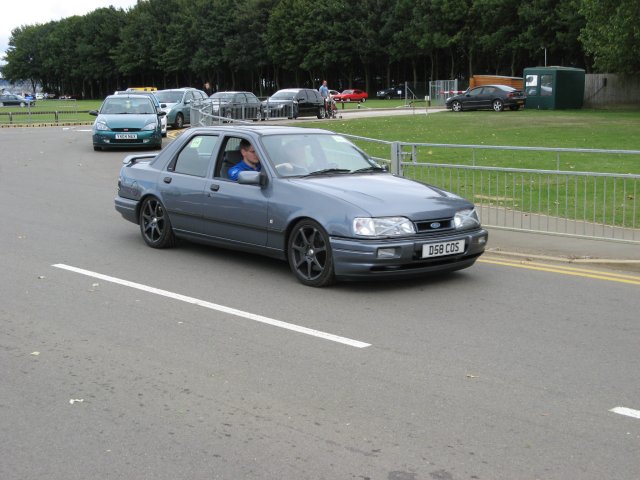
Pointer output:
x,y
315,200
126,121
178,104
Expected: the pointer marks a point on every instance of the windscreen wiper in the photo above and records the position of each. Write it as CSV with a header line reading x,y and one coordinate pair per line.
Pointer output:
x,y
328,170
369,169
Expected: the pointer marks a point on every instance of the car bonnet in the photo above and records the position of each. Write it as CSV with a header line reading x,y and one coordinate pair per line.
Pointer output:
x,y
386,195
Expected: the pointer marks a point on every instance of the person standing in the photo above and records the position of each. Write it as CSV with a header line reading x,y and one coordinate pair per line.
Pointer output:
x,y
324,90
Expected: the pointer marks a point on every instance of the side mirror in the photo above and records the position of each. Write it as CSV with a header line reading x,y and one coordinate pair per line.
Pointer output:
x,y
163,105
162,114
249,178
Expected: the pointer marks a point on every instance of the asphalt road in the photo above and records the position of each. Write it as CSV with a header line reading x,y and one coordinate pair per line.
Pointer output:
x,y
119,361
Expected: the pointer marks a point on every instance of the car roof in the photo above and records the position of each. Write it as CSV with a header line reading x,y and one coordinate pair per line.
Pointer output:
x,y
498,85
261,130
181,89
127,95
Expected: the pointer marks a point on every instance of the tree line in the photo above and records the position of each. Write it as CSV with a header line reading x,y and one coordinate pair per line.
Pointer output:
x,y
263,45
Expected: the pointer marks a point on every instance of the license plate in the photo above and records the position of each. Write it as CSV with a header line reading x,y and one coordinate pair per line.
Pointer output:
x,y
126,136
441,249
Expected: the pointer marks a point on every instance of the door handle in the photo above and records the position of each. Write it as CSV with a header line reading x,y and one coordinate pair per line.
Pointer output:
x,y
214,187
167,179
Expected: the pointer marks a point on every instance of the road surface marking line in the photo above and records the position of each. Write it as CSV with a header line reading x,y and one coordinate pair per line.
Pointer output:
x,y
565,271
629,412
219,308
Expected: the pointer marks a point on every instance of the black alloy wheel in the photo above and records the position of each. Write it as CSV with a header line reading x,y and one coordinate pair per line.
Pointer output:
x,y
155,225
309,254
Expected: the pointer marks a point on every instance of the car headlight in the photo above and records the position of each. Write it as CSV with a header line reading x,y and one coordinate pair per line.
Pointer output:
x,y
467,218
383,226
102,126
150,126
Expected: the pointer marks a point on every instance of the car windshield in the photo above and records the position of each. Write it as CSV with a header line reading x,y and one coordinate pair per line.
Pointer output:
x,y
119,106
169,96
283,95
316,154
223,96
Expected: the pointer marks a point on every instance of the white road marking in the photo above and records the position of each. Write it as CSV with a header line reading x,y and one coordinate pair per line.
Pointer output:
x,y
219,308
629,412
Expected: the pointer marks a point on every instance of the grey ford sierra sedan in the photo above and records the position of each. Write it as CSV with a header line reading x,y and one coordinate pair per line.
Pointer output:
x,y
307,196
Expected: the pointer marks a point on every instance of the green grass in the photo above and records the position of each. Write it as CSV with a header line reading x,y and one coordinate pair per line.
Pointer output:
x,y
50,111
590,199
591,129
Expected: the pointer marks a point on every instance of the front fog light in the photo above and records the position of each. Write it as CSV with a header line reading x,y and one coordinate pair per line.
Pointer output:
x,y
386,253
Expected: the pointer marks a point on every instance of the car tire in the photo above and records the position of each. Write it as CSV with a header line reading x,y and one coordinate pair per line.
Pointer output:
x,y
362,100
309,254
179,123
97,148
456,106
321,113
387,97
23,104
498,105
155,225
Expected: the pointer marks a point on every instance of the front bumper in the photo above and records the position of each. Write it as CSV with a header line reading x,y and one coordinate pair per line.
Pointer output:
x,y
143,139
360,258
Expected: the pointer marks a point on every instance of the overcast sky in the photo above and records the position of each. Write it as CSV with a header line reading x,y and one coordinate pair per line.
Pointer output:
x,y
43,12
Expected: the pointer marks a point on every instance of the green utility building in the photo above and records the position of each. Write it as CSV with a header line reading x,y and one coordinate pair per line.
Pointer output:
x,y
554,88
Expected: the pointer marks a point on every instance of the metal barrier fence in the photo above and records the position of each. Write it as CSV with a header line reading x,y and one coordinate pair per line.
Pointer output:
x,y
212,112
554,201
44,111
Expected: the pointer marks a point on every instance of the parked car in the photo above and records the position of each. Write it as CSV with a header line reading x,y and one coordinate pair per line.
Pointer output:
x,y
178,104
351,95
392,92
127,121
159,106
294,103
236,105
10,99
318,202
495,97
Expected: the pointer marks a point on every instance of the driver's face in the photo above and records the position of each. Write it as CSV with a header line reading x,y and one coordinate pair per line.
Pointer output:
x,y
250,156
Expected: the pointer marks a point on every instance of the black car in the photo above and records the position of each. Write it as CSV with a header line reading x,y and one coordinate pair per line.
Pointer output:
x,y
236,105
392,92
495,97
294,103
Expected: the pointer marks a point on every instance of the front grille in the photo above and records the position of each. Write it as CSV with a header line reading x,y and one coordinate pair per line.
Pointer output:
x,y
127,130
434,226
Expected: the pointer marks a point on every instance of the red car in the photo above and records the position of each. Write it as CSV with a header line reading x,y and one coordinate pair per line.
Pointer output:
x,y
351,96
